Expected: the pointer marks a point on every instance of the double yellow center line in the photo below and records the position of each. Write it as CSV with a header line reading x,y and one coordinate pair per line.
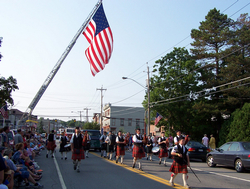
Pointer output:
x,y
150,176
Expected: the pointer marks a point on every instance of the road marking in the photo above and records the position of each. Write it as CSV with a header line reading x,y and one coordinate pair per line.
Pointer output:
x,y
142,173
59,174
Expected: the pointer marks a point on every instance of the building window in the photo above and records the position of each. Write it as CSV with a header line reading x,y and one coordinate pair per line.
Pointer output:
x,y
107,113
122,122
137,123
129,122
113,121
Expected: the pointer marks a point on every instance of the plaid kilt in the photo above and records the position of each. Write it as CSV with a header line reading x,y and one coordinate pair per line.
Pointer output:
x,y
51,145
138,152
163,153
78,156
119,151
177,168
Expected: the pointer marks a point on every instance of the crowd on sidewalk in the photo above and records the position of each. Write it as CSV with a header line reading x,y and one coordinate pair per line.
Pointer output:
x,y
18,168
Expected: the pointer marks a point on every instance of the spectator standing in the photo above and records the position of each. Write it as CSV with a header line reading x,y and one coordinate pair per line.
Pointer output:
x,y
205,140
170,140
212,142
18,137
5,139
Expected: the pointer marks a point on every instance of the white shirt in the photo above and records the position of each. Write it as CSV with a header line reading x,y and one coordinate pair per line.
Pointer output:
x,y
175,149
205,141
136,140
159,139
72,138
175,139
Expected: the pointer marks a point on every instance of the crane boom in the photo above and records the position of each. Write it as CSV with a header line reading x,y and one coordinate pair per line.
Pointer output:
x,y
58,64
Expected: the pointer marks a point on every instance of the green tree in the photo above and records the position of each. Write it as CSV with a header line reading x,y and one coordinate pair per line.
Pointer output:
x,y
240,126
91,125
7,86
173,88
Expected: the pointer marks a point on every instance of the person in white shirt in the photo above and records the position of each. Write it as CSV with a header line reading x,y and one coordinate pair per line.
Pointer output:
x,y
205,140
76,142
63,140
162,141
176,138
138,150
87,147
181,160
103,144
51,144
120,151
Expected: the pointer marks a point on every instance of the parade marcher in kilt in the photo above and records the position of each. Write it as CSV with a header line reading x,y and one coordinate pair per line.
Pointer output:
x,y
110,140
163,148
51,144
177,137
120,151
181,160
149,148
63,141
138,150
104,144
87,147
77,148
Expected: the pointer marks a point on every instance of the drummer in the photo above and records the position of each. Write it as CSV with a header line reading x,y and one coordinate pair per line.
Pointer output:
x,y
149,148
63,140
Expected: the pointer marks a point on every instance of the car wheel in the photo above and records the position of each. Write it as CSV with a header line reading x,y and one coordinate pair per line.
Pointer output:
x,y
239,166
210,161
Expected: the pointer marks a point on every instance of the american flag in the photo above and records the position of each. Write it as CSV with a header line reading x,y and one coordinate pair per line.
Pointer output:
x,y
4,112
158,118
100,38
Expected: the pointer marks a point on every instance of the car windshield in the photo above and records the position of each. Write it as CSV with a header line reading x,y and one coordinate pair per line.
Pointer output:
x,y
194,144
246,145
94,133
70,130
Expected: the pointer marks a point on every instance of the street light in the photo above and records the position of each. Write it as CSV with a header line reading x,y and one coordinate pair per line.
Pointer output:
x,y
148,90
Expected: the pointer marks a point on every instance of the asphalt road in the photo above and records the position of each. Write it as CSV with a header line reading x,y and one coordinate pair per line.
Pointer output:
x,y
97,172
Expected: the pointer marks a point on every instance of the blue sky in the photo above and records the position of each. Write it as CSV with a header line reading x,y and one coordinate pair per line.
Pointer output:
x,y
36,33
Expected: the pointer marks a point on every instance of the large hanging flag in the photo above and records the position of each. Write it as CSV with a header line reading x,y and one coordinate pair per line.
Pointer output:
x,y
158,118
100,38
4,112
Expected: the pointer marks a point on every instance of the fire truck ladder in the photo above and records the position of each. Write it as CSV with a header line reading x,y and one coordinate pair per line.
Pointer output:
x,y
52,74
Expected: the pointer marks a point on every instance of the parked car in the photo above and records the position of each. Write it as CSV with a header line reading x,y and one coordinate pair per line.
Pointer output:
x,y
232,154
196,150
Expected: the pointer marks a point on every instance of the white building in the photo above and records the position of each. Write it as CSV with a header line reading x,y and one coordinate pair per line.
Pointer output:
x,y
123,118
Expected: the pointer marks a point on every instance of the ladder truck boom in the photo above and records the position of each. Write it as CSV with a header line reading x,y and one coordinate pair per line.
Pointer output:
x,y
52,74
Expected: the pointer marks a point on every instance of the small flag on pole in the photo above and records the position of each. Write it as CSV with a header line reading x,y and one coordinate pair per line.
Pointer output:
x,y
100,38
4,112
158,118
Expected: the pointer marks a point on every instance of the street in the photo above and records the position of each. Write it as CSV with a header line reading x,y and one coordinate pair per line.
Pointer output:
x,y
97,172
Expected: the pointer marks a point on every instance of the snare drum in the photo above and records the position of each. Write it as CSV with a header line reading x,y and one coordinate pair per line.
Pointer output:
x,y
67,147
155,150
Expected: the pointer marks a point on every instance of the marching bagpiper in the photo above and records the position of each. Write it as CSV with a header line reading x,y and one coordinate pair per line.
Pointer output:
x,y
162,141
51,144
103,144
77,148
110,140
120,150
138,150
181,160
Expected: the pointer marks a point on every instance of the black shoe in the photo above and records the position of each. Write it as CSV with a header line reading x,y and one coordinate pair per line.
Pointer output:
x,y
52,156
65,158
159,162
165,164
46,155
133,166
78,170
140,169
75,167
61,157
147,158
151,160
87,156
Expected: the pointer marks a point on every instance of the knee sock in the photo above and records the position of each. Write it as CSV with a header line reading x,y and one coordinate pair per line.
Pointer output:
x,y
62,154
87,152
150,156
172,177
165,158
65,154
110,155
184,177
139,161
78,164
122,159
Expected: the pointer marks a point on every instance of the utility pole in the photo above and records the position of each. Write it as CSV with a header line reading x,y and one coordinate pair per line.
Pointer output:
x,y
101,89
87,110
148,87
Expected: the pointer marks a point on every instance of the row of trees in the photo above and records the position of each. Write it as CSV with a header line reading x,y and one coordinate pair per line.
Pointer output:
x,y
202,90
